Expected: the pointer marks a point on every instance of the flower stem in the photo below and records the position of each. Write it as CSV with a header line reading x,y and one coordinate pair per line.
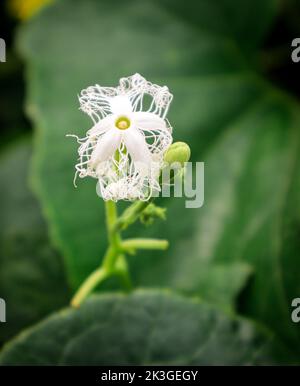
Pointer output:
x,y
122,272
110,259
88,285
114,261
111,218
132,244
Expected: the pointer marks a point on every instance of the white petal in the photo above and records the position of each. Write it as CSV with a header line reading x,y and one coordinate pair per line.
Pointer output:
x,y
120,105
137,147
106,146
148,121
102,126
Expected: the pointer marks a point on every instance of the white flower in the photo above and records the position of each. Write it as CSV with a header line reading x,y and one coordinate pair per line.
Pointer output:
x,y
125,147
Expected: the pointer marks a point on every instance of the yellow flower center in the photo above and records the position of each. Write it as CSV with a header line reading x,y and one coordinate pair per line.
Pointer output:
x,y
122,123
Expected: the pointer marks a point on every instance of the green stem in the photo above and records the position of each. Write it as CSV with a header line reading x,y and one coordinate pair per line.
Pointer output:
x,y
132,244
114,261
123,273
111,219
110,259
88,285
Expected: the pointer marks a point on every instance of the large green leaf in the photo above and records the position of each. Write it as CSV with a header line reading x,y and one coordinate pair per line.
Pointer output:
x,y
246,132
32,279
145,328
252,213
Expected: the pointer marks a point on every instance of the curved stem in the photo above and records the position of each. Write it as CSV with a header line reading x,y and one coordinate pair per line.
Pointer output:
x,y
95,278
88,285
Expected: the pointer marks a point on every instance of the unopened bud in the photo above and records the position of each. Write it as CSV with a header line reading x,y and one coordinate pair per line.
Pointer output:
x,y
178,152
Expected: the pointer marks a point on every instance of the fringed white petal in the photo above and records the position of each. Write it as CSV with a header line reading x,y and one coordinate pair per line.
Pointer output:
x,y
95,101
106,146
122,189
156,130
136,173
101,127
145,121
143,96
146,96
136,145
126,161
120,105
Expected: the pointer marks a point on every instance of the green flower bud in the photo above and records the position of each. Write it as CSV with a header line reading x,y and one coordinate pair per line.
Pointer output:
x,y
151,213
178,152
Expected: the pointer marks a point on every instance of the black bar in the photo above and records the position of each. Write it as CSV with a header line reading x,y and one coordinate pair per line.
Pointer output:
x,y
85,375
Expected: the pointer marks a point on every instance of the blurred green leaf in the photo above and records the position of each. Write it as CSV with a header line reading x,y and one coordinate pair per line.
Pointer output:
x,y
12,120
32,280
246,132
145,328
252,211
